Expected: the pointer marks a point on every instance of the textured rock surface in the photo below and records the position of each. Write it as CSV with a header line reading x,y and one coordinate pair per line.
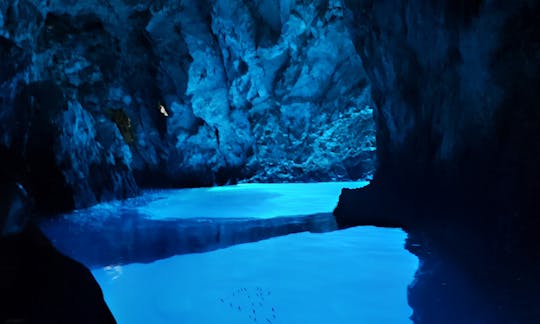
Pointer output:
x,y
458,133
99,98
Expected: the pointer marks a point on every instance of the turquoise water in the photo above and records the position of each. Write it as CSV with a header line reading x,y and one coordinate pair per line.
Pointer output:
x,y
358,275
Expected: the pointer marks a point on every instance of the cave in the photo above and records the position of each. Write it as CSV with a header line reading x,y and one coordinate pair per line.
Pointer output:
x,y
232,161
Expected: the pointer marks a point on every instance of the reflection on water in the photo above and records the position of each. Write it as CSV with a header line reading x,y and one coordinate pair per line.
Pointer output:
x,y
358,275
163,223
132,237
470,275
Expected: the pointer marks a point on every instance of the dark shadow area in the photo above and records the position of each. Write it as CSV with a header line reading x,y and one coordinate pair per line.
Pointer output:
x,y
41,285
458,133
38,284
130,237
466,276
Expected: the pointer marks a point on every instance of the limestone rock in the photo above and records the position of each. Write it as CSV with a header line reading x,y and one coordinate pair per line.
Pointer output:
x,y
180,93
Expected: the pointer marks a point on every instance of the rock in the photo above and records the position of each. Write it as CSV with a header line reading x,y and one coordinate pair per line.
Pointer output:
x,y
40,284
453,111
457,151
182,93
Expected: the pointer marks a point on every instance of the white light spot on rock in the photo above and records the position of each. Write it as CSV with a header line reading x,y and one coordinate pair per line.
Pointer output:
x,y
163,111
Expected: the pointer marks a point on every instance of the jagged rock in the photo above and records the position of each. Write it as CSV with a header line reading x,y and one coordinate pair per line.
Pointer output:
x,y
184,93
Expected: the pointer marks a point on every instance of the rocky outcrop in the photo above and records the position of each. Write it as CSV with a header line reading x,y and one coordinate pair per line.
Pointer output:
x,y
457,149
100,98
38,283
455,115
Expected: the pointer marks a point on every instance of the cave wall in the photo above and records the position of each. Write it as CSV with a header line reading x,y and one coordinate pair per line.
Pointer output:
x,y
456,113
100,98
458,148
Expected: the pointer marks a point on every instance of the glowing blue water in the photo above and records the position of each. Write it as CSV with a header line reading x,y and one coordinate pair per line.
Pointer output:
x,y
253,200
359,275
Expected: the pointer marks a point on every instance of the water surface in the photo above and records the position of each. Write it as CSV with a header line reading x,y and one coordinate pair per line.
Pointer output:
x,y
249,270
358,275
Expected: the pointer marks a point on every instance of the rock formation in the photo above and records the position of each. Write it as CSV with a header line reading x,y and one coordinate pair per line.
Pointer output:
x,y
458,133
100,98
38,283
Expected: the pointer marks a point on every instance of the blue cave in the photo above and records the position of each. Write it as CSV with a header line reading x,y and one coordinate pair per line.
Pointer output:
x,y
265,161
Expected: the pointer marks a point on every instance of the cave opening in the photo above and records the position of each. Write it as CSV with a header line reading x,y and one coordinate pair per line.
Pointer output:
x,y
183,140
191,155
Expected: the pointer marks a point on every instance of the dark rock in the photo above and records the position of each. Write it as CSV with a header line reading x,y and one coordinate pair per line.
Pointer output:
x,y
40,285
457,126
457,151
455,116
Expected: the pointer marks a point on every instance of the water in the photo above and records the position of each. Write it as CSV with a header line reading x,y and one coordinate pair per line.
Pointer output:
x,y
163,223
359,275
137,252
253,200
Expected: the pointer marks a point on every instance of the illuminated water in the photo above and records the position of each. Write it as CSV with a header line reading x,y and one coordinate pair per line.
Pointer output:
x,y
358,275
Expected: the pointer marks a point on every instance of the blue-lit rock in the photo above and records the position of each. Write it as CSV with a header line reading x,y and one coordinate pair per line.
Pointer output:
x,y
184,93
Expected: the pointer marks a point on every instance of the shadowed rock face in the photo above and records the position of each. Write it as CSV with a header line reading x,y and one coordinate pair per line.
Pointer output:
x,y
455,113
458,133
178,93
38,283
